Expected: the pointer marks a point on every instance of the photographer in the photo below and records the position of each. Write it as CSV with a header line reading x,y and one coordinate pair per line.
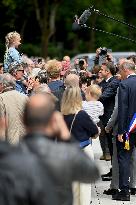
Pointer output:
x,y
102,56
96,73
82,65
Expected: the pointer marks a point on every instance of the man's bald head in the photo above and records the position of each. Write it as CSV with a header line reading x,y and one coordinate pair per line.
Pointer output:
x,y
72,80
38,111
38,100
124,60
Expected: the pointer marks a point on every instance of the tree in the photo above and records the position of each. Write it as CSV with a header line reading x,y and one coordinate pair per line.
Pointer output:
x,y
129,10
46,14
38,20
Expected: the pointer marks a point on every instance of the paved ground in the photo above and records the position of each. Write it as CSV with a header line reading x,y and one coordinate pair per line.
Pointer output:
x,y
98,198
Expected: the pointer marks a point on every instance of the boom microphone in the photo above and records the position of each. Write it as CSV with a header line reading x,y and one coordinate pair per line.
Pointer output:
x,y
75,26
84,17
79,23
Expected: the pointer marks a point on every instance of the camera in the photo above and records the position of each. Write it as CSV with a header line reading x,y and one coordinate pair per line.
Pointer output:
x,y
103,51
85,79
103,55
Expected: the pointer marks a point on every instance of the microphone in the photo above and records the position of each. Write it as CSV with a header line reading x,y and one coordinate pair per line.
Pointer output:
x,y
76,26
84,17
81,20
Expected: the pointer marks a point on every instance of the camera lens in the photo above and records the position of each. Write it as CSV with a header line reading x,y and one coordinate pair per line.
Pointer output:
x,y
103,51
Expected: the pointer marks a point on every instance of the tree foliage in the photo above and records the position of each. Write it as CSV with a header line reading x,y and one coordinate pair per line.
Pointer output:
x,y
46,25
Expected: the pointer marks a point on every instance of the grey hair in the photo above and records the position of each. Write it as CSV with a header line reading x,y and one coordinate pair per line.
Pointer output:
x,y
45,90
128,65
8,81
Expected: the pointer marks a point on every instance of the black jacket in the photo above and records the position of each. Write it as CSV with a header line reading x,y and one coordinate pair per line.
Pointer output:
x,y
126,103
108,98
57,88
65,162
83,127
23,181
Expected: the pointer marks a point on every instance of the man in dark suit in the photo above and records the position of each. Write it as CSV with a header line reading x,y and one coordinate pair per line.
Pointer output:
x,y
109,91
126,110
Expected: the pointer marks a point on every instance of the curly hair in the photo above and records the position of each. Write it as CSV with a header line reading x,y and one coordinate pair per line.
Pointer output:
x,y
53,68
10,37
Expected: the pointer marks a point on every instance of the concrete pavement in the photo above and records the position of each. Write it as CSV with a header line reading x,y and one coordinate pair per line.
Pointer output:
x,y
98,198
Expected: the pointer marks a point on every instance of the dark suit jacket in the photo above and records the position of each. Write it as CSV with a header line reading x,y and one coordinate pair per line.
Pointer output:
x,y
113,121
109,91
65,162
126,103
23,180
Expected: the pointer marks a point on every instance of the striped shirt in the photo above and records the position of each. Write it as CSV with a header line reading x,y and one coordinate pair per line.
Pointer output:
x,y
94,109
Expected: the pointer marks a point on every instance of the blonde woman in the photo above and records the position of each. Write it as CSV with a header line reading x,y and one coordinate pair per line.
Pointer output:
x,y
12,55
78,121
82,128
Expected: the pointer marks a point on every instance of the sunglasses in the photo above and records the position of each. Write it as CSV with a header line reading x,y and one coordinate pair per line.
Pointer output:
x,y
21,70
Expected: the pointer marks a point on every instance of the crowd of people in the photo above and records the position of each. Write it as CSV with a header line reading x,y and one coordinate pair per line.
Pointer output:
x,y
50,110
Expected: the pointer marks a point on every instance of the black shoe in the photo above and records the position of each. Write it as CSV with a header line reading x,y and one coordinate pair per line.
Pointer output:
x,y
109,174
133,191
121,196
106,178
110,191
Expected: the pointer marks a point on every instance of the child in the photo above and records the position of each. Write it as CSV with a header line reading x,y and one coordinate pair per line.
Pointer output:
x,y
12,55
92,106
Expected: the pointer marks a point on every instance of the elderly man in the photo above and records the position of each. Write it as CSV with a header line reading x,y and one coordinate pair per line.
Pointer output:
x,y
126,111
17,71
72,80
11,113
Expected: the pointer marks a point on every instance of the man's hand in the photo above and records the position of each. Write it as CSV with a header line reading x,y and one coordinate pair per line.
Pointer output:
x,y
61,127
97,135
98,51
108,130
120,138
109,57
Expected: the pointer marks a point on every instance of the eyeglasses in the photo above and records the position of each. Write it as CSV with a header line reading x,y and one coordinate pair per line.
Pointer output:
x,y
21,70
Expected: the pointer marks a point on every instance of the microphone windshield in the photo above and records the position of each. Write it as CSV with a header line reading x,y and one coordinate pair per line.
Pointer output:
x,y
84,17
75,26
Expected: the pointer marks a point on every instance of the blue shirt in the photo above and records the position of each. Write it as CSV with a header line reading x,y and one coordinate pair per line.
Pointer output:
x,y
12,56
20,87
55,85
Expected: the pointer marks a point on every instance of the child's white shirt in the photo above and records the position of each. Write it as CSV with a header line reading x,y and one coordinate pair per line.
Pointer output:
x,y
94,109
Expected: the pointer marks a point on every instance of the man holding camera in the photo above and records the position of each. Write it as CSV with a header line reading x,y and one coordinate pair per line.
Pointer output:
x,y
102,56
